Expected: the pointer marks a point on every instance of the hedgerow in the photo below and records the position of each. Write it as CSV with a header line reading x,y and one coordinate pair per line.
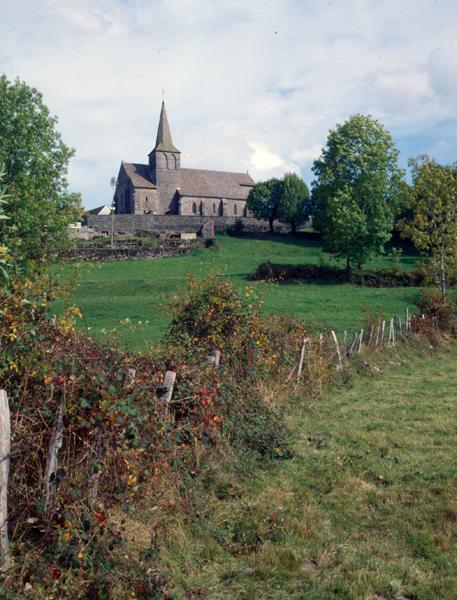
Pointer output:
x,y
331,274
122,447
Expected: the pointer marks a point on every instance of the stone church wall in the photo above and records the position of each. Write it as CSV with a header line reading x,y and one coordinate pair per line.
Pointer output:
x,y
147,201
132,224
211,207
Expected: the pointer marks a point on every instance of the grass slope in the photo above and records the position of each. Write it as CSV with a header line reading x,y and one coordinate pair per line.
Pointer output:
x,y
139,290
366,510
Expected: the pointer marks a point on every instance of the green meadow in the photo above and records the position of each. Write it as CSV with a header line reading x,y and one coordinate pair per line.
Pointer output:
x,y
109,293
365,510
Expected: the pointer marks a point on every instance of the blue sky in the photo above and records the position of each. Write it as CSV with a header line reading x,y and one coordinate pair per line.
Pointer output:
x,y
249,85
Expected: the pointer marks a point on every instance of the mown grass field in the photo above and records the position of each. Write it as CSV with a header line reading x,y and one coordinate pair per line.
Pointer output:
x,y
366,509
141,290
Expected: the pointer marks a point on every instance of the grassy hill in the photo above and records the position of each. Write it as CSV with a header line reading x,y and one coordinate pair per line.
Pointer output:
x,y
365,510
141,290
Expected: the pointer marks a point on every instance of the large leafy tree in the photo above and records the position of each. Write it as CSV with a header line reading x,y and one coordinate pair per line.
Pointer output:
x,y
294,202
431,221
263,200
35,161
356,190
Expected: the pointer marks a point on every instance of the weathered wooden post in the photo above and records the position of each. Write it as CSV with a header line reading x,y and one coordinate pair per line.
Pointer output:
x,y
302,357
353,345
360,341
299,367
53,457
339,365
378,333
345,340
167,387
5,441
370,335
382,332
391,341
408,320
214,358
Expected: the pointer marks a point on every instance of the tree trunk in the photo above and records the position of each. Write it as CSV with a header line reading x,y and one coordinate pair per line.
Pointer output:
x,y
270,222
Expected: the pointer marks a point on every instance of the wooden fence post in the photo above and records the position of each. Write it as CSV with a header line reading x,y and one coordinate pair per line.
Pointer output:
x,y
370,335
339,365
167,387
382,332
53,456
397,325
5,441
214,358
302,357
360,341
299,367
391,341
353,345
378,332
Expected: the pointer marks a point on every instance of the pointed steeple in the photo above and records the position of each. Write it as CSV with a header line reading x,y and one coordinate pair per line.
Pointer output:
x,y
164,141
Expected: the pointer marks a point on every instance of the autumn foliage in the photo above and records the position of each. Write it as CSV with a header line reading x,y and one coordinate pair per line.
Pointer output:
x,y
121,443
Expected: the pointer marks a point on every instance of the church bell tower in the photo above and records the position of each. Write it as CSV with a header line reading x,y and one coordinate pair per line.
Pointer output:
x,y
164,157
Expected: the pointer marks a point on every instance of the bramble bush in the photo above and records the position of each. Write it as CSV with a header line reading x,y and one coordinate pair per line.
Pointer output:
x,y
121,446
438,307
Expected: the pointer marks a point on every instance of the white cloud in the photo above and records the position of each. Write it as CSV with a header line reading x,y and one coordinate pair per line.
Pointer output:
x,y
263,159
443,70
81,18
404,90
249,84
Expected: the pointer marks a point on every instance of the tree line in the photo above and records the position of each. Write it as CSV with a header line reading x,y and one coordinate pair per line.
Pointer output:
x,y
360,194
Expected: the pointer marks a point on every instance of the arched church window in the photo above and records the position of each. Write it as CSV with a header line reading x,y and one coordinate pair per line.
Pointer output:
x,y
194,208
214,208
235,210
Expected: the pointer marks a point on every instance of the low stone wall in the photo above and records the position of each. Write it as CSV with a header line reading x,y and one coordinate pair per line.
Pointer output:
x,y
126,250
133,224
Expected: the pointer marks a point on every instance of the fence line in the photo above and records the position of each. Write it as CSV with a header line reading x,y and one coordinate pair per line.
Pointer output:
x,y
375,336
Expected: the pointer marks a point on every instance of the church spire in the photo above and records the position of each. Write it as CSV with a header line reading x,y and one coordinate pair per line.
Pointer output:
x,y
164,141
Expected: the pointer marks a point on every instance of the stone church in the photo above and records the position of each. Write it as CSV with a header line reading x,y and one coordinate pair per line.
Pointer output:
x,y
162,187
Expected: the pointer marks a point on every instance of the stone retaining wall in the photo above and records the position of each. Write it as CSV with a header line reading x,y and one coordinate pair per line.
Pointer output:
x,y
133,224
93,251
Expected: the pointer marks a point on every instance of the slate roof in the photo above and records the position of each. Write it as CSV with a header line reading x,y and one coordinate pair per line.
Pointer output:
x,y
215,184
197,182
164,141
139,175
